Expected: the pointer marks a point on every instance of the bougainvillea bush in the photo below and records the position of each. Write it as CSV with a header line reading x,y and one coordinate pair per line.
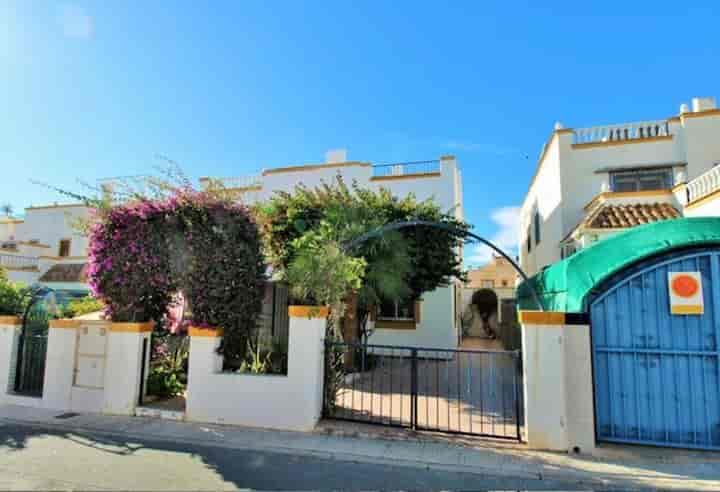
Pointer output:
x,y
143,252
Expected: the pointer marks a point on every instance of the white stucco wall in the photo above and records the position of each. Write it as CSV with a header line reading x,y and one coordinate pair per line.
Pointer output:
x,y
50,224
445,190
291,402
545,195
709,208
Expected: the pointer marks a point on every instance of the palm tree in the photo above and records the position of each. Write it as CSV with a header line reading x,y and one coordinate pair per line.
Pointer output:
x,y
7,209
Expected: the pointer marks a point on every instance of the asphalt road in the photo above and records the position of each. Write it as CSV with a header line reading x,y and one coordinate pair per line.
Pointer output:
x,y
34,459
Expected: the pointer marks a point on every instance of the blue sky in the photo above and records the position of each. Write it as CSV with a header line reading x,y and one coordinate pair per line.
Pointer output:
x,y
97,89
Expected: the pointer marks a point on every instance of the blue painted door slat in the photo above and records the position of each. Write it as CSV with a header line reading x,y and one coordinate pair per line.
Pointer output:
x,y
657,375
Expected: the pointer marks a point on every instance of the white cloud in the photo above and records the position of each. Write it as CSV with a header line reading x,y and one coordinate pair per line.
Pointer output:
x,y
507,221
75,22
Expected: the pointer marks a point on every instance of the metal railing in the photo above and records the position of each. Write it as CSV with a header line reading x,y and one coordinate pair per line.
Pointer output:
x,y
406,168
704,184
623,131
16,262
241,181
477,392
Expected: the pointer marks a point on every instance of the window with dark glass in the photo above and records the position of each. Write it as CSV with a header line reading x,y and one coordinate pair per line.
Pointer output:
x,y
529,240
537,227
64,249
641,180
397,309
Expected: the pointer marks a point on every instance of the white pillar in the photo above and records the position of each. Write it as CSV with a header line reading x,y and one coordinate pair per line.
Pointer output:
x,y
557,383
9,333
60,363
306,358
123,366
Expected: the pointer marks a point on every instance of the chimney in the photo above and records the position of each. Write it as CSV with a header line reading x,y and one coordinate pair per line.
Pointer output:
x,y
700,104
107,191
336,156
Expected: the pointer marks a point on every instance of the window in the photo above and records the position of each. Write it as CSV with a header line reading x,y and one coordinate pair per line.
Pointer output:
x,y
529,240
537,227
487,284
504,283
400,310
64,249
641,180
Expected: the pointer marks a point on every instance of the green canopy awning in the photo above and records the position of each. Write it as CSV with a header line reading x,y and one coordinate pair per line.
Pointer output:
x,y
565,285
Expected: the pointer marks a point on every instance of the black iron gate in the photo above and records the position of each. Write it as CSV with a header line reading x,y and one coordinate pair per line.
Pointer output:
x,y
32,349
474,392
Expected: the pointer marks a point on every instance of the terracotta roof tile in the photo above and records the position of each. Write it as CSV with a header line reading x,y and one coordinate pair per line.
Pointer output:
x,y
619,216
71,272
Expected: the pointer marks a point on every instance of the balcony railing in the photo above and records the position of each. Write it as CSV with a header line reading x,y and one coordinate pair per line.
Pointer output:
x,y
704,184
241,181
626,131
406,168
16,262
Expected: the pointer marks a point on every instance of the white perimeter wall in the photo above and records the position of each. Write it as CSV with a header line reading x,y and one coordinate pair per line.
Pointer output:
x,y
291,402
88,368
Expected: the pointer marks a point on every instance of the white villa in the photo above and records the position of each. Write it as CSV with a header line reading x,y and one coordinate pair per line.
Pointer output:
x,y
434,322
593,182
44,247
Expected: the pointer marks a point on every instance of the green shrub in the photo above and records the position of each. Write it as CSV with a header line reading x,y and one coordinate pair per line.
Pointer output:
x,y
165,381
13,297
84,305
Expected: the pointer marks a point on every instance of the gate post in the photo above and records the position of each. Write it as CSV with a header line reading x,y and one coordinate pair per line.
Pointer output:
x,y
557,381
413,388
9,332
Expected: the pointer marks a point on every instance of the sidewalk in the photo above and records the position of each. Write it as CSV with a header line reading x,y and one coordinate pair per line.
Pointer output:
x,y
618,467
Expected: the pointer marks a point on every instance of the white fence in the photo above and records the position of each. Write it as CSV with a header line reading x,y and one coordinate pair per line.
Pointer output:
x,y
623,131
704,184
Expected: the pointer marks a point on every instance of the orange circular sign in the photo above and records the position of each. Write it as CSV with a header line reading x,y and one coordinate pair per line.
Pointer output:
x,y
685,286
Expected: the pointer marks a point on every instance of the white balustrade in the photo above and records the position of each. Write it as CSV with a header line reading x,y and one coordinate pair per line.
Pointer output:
x,y
241,181
704,184
624,131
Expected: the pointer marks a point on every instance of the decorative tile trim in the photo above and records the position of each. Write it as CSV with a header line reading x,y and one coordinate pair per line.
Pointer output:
x,y
132,327
10,320
200,331
64,323
309,312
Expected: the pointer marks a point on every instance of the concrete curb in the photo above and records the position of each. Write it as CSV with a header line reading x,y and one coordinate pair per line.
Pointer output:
x,y
264,446
418,455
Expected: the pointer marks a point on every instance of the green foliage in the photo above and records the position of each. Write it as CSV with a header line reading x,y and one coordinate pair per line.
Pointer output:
x,y
257,363
84,305
304,232
168,365
13,297
164,381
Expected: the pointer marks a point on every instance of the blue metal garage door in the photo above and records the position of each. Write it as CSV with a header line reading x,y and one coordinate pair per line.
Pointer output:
x,y
657,375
